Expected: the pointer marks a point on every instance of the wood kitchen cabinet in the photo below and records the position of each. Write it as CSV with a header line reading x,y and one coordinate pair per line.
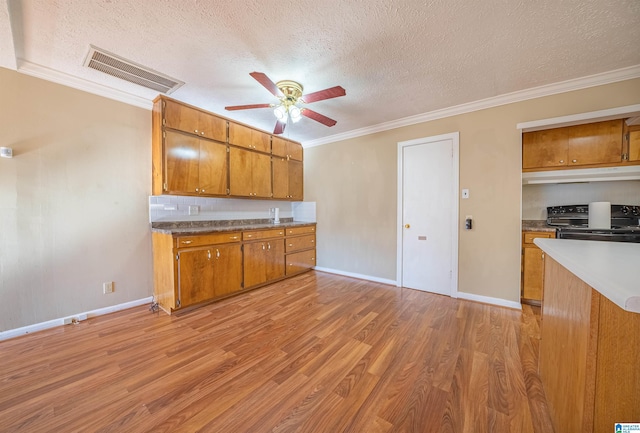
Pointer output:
x,y
240,135
632,143
263,256
301,249
193,121
533,267
588,145
588,361
193,269
286,148
249,173
193,165
287,179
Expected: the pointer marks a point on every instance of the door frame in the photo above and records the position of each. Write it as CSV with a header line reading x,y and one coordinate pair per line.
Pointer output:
x,y
455,185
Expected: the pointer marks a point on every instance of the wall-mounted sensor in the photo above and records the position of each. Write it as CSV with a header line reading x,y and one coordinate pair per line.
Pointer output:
x,y
6,152
468,222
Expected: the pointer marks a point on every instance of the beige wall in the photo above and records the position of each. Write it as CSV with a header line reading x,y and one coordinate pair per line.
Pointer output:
x,y
354,184
73,201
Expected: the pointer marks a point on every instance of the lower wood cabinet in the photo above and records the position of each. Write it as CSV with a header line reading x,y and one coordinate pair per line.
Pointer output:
x,y
263,259
189,270
300,249
533,267
192,269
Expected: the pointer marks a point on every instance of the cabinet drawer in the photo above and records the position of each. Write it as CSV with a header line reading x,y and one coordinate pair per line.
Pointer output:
x,y
262,234
294,231
209,239
300,262
300,243
528,237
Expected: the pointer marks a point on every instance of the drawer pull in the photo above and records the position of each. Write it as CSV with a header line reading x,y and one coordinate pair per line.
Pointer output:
x,y
234,237
209,254
217,253
249,236
312,241
186,242
269,246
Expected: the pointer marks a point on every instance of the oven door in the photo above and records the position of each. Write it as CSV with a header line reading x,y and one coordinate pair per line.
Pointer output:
x,y
599,235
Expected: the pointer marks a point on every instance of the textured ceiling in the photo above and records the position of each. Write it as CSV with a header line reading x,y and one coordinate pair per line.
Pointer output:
x,y
394,58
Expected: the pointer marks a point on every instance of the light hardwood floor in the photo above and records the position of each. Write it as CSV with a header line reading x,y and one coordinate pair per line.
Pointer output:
x,y
315,353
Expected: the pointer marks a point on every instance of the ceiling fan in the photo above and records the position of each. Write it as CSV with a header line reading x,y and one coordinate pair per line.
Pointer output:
x,y
291,98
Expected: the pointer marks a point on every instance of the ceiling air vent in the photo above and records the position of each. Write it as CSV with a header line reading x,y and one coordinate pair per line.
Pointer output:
x,y
127,70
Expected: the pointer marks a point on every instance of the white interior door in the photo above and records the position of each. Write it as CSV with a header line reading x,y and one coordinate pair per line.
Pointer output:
x,y
428,214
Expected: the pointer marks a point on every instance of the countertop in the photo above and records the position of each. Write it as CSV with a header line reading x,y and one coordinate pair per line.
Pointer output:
x,y
203,227
537,226
611,268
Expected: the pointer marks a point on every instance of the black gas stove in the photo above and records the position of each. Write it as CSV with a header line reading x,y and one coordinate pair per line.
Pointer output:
x,y
572,222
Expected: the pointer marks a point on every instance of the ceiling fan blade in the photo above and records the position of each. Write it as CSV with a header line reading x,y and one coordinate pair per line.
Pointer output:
x,y
266,83
279,129
320,95
318,117
246,107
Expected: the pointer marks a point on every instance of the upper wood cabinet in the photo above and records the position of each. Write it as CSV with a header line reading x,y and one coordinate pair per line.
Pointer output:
x,y
188,119
249,173
286,148
592,144
198,153
193,165
632,143
240,135
287,179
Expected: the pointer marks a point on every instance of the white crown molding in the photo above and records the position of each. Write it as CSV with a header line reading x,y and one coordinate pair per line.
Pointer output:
x,y
617,75
52,75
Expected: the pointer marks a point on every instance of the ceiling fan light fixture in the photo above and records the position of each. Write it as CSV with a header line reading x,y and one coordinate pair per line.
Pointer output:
x,y
281,113
295,113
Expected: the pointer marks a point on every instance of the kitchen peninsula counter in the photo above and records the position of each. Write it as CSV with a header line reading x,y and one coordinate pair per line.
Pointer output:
x,y
589,360
611,268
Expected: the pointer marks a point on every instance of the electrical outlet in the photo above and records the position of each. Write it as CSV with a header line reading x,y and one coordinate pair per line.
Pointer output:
x,y
107,287
194,210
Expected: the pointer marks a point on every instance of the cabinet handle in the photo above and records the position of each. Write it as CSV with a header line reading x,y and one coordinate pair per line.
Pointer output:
x,y
574,160
186,242
290,245
234,237
249,236
195,130
209,254
217,253
202,133
197,189
269,246
263,246
312,240
202,190
562,161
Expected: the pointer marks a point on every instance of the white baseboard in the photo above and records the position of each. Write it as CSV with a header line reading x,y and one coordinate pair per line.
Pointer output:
x,y
12,333
359,276
489,300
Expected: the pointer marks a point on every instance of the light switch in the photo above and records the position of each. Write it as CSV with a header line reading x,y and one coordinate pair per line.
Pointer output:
x,y
465,193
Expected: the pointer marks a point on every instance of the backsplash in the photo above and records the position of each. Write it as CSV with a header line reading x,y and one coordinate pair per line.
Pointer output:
x,y
536,198
176,208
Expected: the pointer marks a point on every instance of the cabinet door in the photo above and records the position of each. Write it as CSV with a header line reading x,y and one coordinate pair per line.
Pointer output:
x,y
212,127
279,146
296,191
595,143
240,135
178,116
195,276
280,172
227,262
213,169
533,273
634,145
261,174
181,162
295,151
240,167
254,264
261,141
274,259
545,148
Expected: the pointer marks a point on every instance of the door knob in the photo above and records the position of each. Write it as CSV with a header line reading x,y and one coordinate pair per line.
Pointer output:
x,y
406,226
